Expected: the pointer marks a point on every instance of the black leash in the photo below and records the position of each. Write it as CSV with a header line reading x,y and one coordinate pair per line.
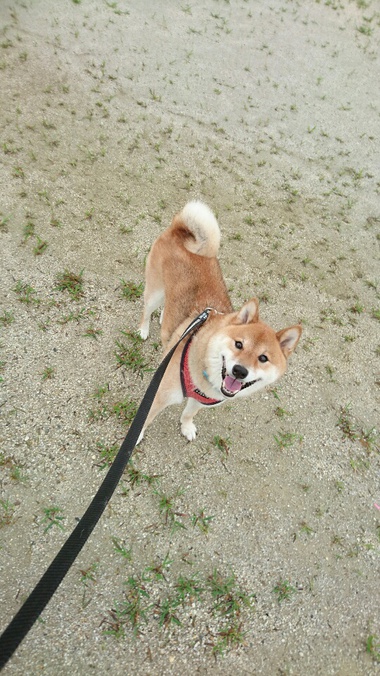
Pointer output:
x,y
52,578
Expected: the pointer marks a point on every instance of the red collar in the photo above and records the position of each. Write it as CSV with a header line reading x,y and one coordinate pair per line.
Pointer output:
x,y
188,387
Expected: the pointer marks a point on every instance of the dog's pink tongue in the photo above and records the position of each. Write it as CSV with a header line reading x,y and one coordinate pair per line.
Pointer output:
x,y
231,384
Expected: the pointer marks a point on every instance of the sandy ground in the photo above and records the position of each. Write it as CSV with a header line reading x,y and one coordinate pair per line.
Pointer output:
x,y
113,115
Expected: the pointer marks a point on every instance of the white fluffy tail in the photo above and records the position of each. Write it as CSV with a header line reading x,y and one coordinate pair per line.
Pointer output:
x,y
204,226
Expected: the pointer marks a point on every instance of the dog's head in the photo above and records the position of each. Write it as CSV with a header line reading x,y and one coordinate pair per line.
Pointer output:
x,y
245,355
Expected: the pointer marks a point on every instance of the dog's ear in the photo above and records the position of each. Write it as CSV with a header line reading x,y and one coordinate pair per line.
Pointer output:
x,y
288,339
249,312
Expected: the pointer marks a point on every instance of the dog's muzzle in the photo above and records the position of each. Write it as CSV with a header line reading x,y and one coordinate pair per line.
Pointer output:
x,y
232,384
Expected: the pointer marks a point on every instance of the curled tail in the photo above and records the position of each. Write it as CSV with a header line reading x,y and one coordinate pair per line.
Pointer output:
x,y
199,229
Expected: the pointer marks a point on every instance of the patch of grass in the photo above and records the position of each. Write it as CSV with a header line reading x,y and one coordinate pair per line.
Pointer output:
x,y
18,172
202,521
228,597
136,477
25,293
107,454
287,439
357,308
7,318
188,588
130,290
88,575
125,410
76,316
129,353
168,511
40,247
48,373
71,282
354,432
231,636
4,220
91,332
281,413
222,444
346,424
133,610
373,647
88,579
28,231
329,315
166,612
121,549
17,475
53,517
7,510
156,570
284,590
305,528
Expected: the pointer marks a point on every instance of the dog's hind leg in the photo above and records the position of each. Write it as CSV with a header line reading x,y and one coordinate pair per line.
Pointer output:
x,y
188,428
154,295
151,302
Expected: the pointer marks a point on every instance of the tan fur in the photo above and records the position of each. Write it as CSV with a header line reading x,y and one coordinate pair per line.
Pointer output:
x,y
228,352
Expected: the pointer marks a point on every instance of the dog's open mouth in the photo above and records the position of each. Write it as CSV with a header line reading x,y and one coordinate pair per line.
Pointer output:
x,y
230,385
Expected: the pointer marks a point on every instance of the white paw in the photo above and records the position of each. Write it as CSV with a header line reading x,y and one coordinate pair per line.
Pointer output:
x,y
189,431
143,332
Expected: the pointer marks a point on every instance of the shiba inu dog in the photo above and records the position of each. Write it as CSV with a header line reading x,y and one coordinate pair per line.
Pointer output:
x,y
234,354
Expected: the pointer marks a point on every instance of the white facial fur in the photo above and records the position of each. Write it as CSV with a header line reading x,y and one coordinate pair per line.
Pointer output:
x,y
221,346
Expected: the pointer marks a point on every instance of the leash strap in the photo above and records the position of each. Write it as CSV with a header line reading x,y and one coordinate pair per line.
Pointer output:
x,y
52,578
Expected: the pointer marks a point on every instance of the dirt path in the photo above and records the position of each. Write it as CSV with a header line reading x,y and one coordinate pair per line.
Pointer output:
x,y
255,549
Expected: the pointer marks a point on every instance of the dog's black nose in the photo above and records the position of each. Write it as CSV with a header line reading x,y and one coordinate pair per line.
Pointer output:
x,y
239,372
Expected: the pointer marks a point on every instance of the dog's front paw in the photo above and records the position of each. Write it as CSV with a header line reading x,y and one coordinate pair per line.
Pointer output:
x,y
189,431
143,331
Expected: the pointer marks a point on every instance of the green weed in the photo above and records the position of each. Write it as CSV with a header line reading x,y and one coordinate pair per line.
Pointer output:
x,y
229,599
129,354
28,231
130,290
231,636
7,510
136,477
354,432
26,294
202,521
122,550
40,247
76,316
373,647
132,611
91,332
53,517
71,282
168,511
48,373
222,444
4,220
189,588
7,318
125,411
107,454
284,590
167,612
286,439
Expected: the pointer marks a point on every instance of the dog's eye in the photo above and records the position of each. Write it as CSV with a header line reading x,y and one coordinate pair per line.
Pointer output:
x,y
263,358
238,344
